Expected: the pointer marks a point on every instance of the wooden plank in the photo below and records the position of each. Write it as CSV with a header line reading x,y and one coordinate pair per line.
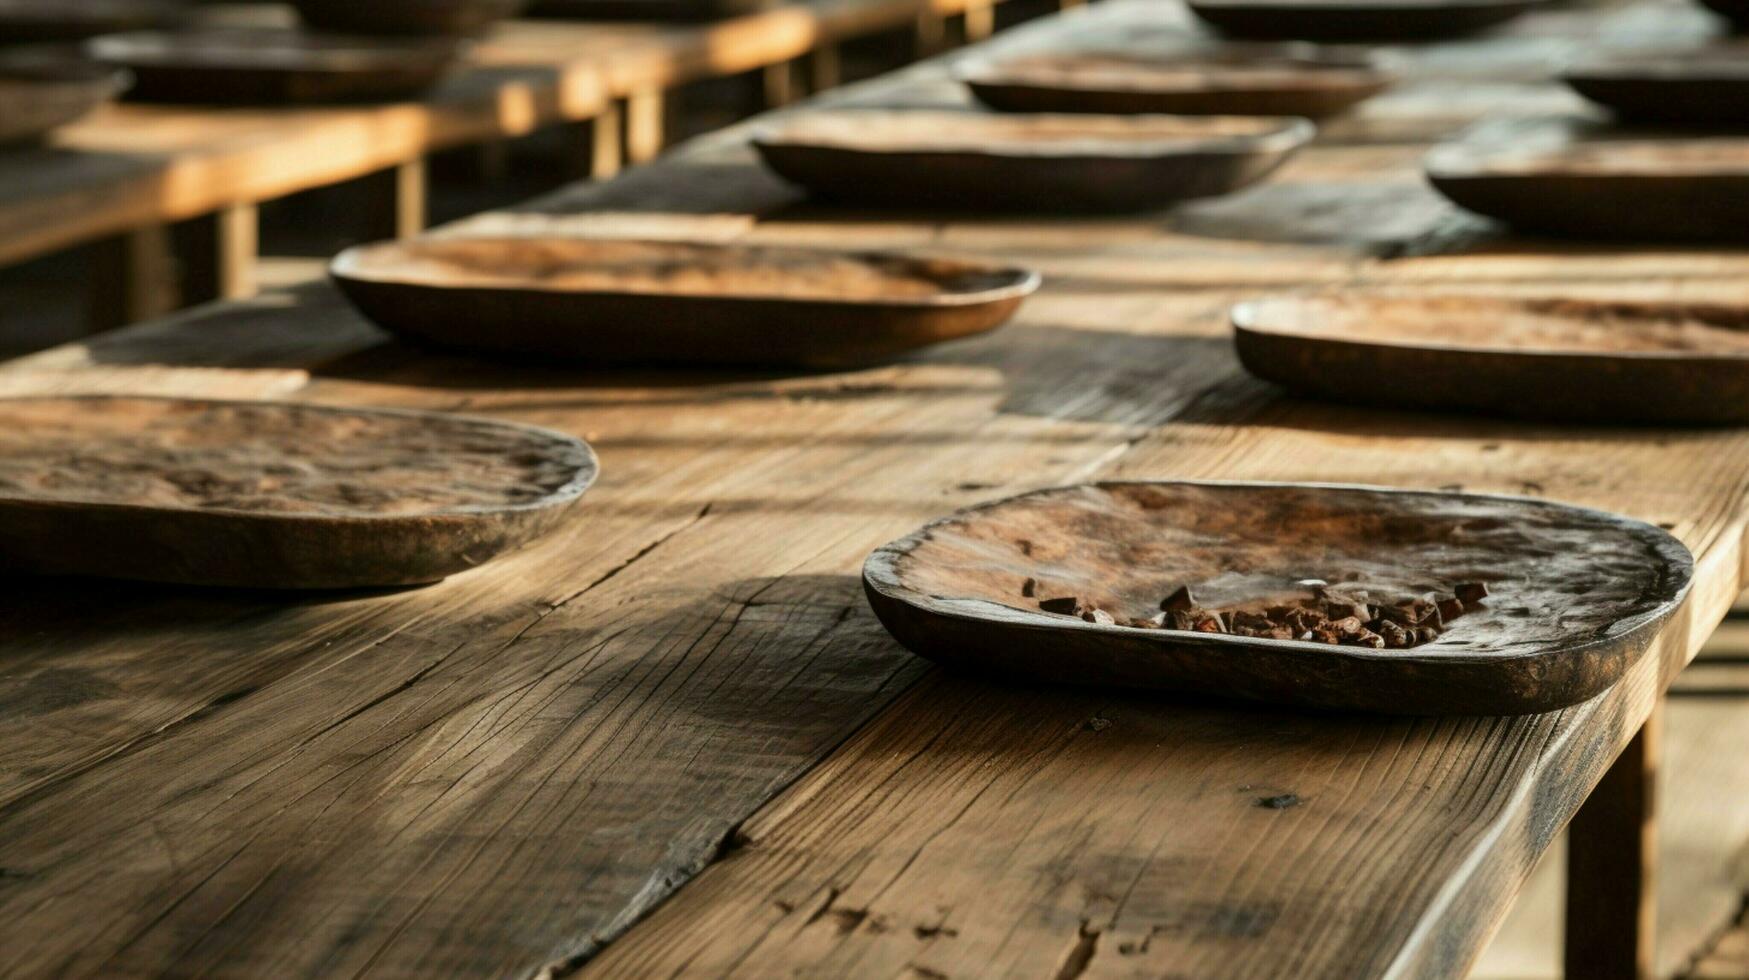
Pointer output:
x,y
501,773
216,253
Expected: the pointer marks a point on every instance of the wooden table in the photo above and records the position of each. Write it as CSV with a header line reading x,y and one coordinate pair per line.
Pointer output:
x,y
671,738
128,171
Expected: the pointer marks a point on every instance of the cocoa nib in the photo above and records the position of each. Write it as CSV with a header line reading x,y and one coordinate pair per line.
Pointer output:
x,y
1329,615
1470,593
1179,601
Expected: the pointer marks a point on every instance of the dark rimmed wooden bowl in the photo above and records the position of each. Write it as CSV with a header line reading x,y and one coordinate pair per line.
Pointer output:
x,y
619,301
1573,177
1039,163
271,495
241,66
1234,80
49,21
1565,359
1578,594
455,18
1356,20
686,11
1735,11
40,91
1706,86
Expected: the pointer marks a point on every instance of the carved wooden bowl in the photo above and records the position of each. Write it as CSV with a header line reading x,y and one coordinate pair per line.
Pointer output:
x,y
1577,594
619,300
460,18
39,92
1574,360
1577,177
1356,20
271,495
1707,86
249,66
1236,80
1042,162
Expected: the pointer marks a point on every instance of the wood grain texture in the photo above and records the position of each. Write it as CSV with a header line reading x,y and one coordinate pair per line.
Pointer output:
x,y
499,774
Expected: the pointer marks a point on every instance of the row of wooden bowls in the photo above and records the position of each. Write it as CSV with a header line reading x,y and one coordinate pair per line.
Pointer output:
x,y
1577,594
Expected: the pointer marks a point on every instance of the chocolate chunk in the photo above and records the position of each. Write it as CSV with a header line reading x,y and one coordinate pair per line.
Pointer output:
x,y
1029,588
1210,624
1450,609
1179,601
1470,593
1066,605
1395,637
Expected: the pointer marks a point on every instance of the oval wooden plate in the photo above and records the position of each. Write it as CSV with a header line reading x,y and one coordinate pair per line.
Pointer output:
x,y
1573,360
271,495
616,300
1237,80
263,66
1706,86
1356,20
1046,162
1577,594
458,18
45,21
39,93
1576,177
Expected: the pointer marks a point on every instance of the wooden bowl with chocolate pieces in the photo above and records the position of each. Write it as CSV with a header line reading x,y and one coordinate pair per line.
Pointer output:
x,y
271,495
1344,597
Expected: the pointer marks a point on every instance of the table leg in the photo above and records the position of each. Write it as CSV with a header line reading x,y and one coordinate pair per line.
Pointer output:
x,y
644,125
131,278
931,34
980,20
825,69
398,201
606,148
1612,852
217,255
780,84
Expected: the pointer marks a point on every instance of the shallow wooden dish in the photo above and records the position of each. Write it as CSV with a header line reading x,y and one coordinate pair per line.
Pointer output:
x,y
39,92
271,67
616,300
32,21
1573,360
960,160
1703,86
458,18
1237,80
271,495
661,10
1574,177
1356,20
1577,594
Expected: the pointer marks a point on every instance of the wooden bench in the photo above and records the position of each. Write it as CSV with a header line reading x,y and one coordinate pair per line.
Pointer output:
x,y
129,171
671,738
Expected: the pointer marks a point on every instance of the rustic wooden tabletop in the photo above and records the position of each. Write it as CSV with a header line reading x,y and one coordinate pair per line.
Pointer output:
x,y
671,738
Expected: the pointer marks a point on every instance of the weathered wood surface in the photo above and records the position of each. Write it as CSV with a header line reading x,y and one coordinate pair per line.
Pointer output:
x,y
499,774
134,164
